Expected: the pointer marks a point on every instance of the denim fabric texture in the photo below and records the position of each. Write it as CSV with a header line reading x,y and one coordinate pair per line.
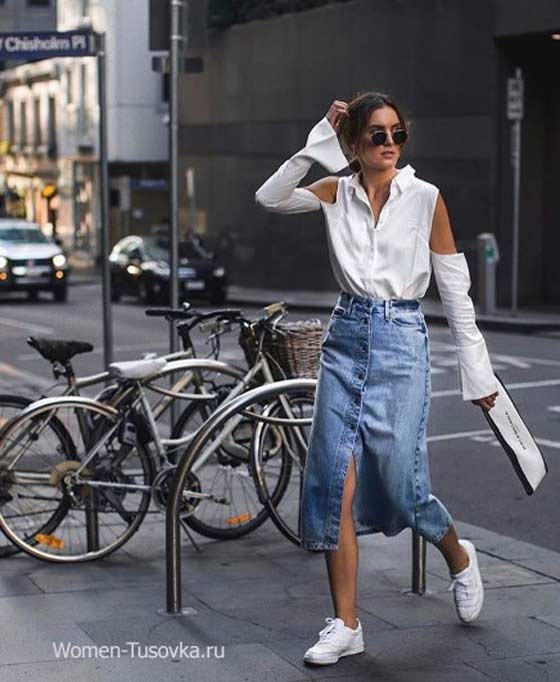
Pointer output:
x,y
372,401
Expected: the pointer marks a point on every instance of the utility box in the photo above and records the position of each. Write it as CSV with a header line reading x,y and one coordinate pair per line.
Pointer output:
x,y
488,256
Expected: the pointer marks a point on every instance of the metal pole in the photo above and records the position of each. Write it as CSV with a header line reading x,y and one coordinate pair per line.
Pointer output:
x,y
104,202
418,563
175,48
516,161
516,132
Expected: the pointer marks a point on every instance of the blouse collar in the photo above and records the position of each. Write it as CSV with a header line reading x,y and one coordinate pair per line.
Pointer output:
x,y
402,179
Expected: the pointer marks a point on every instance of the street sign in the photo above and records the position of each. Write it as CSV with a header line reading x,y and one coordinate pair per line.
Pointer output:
x,y
515,98
42,45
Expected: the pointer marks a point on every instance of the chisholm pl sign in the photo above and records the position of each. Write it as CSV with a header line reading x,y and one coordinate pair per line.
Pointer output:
x,y
25,45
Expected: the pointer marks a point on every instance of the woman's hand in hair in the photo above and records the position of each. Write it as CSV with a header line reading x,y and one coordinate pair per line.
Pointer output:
x,y
336,113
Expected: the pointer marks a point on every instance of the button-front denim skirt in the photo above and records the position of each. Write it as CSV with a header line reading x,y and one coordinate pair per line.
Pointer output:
x,y
372,400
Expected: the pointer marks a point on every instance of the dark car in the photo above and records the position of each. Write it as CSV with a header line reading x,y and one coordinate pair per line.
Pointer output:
x,y
140,267
31,261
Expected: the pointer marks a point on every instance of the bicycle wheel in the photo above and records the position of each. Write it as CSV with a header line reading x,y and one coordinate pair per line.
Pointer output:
x,y
103,487
229,506
10,407
279,479
188,496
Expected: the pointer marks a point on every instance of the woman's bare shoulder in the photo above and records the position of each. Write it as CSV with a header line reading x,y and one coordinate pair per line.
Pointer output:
x,y
325,189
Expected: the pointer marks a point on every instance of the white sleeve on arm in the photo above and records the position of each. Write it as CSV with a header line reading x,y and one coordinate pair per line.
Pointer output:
x,y
280,192
476,376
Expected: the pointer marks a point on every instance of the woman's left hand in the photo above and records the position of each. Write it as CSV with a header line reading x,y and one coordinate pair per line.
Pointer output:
x,y
486,403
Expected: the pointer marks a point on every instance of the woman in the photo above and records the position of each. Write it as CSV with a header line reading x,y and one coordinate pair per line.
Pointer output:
x,y
367,465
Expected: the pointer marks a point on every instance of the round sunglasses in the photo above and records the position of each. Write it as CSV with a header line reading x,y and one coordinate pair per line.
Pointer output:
x,y
379,137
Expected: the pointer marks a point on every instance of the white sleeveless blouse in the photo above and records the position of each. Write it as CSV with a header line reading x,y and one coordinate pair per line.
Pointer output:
x,y
390,258
387,259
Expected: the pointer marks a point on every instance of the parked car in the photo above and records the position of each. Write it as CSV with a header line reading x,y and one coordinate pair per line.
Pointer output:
x,y
140,267
31,261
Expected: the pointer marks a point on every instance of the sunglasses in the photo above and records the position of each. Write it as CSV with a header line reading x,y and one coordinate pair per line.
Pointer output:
x,y
379,137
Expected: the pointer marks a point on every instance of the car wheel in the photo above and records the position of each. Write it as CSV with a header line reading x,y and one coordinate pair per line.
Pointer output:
x,y
60,294
145,293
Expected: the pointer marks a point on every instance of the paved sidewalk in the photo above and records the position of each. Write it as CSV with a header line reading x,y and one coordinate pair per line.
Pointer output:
x,y
264,600
527,320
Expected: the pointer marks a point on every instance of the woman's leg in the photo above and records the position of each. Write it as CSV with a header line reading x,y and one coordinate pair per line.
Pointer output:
x,y
342,563
454,553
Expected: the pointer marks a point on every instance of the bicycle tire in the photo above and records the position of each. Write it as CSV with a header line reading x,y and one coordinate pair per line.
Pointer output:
x,y
21,402
32,548
217,532
272,501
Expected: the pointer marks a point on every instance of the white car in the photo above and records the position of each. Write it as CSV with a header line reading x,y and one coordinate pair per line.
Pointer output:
x,y
30,261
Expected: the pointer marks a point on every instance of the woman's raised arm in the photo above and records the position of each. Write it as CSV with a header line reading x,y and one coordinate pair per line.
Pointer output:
x,y
280,192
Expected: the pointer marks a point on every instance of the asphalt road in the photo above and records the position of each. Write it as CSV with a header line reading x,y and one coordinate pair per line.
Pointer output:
x,y
470,472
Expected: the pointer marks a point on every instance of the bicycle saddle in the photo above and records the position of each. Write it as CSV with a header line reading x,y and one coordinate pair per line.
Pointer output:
x,y
137,369
56,350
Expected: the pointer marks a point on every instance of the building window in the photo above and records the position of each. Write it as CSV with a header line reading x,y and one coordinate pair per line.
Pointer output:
x,y
37,138
84,84
10,123
38,3
23,123
70,86
53,150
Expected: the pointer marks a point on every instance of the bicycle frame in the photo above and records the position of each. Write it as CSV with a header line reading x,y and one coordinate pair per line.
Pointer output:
x,y
110,410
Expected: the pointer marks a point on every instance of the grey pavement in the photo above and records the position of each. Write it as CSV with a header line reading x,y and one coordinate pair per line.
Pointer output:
x,y
260,601
525,320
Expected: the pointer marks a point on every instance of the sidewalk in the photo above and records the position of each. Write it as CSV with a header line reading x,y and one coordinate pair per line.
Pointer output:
x,y
264,600
526,321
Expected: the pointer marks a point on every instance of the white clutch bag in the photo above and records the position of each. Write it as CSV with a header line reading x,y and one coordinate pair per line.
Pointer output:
x,y
516,439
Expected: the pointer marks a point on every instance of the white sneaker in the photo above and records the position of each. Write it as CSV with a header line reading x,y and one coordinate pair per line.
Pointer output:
x,y
468,592
335,640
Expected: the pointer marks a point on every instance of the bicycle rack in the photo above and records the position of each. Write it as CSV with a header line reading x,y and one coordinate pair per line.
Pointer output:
x,y
174,605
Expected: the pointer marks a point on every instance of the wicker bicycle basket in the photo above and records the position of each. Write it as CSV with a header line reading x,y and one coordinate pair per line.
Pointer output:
x,y
294,348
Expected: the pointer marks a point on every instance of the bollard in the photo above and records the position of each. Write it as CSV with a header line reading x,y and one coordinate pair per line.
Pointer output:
x,y
418,563
487,255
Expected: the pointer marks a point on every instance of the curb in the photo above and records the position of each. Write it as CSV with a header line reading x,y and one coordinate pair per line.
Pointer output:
x,y
525,322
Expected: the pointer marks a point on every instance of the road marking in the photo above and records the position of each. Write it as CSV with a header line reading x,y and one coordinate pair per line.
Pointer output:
x,y
99,350
29,326
517,361
161,345
510,387
487,435
14,373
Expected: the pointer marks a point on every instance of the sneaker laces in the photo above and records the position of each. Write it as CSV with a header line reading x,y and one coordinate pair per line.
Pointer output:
x,y
329,629
462,588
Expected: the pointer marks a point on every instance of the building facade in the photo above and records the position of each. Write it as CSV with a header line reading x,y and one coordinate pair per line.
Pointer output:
x,y
49,131
267,80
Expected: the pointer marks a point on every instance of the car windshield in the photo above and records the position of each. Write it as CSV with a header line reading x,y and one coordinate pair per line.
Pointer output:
x,y
158,249
22,235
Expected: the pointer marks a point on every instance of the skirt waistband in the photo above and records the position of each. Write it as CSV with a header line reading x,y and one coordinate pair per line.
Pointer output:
x,y
349,301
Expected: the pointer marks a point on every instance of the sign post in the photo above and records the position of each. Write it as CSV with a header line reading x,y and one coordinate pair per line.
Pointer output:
x,y
104,202
515,114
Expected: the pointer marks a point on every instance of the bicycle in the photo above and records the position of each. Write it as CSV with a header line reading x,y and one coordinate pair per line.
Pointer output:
x,y
59,353
96,481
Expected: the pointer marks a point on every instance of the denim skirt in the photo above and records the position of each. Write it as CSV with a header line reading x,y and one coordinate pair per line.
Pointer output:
x,y
372,400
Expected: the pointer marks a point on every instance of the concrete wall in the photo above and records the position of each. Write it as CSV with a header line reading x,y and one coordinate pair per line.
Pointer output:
x,y
267,82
